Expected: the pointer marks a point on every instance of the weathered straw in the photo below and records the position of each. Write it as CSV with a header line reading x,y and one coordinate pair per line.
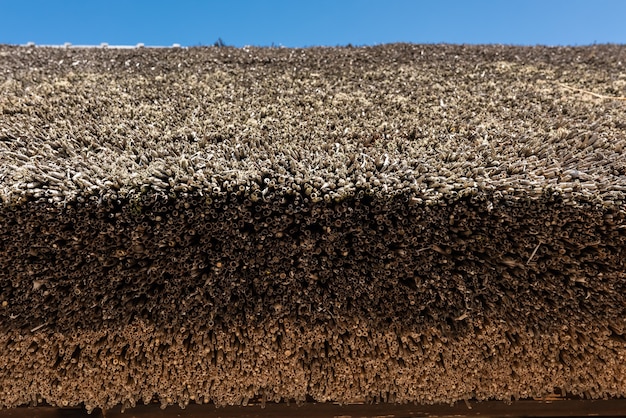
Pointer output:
x,y
400,223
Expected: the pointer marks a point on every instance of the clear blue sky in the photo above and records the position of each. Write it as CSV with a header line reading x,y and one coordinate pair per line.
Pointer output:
x,y
297,23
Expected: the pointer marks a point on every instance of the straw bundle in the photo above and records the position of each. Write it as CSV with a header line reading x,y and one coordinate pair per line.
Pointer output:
x,y
397,223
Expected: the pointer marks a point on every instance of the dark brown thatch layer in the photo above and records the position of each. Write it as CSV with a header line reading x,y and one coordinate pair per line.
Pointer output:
x,y
403,222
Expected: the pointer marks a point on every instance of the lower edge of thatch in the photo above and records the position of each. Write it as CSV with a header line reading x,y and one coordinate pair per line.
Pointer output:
x,y
286,360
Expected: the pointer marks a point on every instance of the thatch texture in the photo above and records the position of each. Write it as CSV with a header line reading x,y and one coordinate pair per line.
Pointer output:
x,y
397,223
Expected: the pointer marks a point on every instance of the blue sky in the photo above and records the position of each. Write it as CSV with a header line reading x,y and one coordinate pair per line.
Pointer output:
x,y
298,23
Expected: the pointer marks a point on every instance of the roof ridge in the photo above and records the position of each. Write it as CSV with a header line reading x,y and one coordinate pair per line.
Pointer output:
x,y
102,45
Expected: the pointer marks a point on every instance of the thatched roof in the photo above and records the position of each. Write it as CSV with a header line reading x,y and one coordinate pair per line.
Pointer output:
x,y
403,222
